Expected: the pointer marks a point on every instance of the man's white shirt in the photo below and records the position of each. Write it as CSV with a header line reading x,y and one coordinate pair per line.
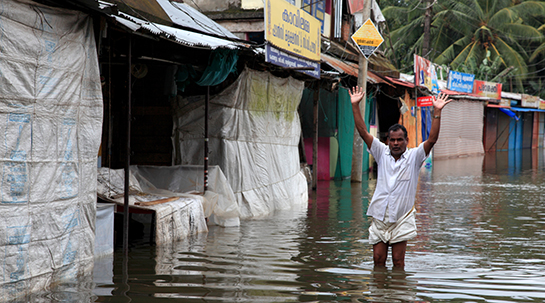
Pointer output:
x,y
396,181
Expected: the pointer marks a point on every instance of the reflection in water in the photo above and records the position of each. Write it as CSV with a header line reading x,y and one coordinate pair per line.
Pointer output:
x,y
481,238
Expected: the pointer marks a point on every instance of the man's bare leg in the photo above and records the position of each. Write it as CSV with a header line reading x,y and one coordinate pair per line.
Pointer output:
x,y
380,254
398,254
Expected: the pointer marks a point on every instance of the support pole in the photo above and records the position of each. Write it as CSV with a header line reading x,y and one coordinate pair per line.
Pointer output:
x,y
206,108
127,158
315,137
357,149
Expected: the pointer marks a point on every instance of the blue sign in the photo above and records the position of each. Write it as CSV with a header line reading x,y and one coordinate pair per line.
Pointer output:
x,y
278,57
460,82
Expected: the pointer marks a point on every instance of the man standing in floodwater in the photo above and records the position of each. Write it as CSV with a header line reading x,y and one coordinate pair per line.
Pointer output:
x,y
392,205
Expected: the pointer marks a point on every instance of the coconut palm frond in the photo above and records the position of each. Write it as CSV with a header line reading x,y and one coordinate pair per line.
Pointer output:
x,y
540,50
450,53
529,8
504,16
520,32
511,56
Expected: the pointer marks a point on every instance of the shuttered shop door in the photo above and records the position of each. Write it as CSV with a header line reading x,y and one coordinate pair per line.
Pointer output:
x,y
461,130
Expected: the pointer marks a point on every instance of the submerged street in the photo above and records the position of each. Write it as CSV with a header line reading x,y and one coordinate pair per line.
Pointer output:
x,y
480,238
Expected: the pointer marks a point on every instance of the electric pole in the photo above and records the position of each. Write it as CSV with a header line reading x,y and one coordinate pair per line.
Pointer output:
x,y
358,148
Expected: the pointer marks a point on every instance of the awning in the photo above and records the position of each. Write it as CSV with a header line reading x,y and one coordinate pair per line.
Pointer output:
x,y
185,16
400,82
181,36
527,109
509,112
351,69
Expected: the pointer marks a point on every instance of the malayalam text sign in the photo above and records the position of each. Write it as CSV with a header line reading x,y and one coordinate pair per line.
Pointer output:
x,y
530,101
278,57
487,89
460,82
424,101
292,29
367,38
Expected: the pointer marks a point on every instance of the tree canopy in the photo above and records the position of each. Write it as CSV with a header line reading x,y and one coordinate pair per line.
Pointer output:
x,y
483,37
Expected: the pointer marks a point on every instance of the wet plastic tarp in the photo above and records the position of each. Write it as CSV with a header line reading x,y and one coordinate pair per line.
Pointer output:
x,y
219,203
51,123
174,220
254,132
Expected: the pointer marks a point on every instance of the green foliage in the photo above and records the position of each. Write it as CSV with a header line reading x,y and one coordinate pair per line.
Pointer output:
x,y
475,36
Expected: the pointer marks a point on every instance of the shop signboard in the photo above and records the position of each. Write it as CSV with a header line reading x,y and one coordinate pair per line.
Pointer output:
x,y
487,89
460,82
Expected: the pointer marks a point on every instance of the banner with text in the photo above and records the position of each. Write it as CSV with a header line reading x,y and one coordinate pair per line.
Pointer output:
x,y
487,89
292,29
425,74
277,57
460,82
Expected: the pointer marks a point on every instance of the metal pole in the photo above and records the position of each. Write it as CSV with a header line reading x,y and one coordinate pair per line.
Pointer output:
x,y
206,105
315,137
127,159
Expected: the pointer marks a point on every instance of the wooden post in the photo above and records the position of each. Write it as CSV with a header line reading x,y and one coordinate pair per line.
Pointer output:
x,y
127,158
358,148
206,107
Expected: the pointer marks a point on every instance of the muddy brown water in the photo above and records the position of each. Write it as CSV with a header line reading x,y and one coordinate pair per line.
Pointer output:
x,y
481,238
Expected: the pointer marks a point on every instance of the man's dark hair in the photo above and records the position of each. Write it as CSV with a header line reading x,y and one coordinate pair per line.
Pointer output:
x,y
395,127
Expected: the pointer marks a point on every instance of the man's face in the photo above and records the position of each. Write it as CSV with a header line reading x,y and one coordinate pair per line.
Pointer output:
x,y
397,143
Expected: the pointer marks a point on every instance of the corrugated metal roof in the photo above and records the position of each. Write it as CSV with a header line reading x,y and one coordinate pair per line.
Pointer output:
x,y
185,16
181,36
149,9
400,82
350,69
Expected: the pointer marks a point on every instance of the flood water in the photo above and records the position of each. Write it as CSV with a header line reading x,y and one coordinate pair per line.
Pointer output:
x,y
481,238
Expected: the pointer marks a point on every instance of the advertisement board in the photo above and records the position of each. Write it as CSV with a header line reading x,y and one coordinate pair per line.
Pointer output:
x,y
425,74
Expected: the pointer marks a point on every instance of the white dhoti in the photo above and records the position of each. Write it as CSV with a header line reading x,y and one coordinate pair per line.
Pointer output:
x,y
402,230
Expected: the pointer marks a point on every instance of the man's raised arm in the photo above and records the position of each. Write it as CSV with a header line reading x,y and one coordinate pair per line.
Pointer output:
x,y
438,103
356,95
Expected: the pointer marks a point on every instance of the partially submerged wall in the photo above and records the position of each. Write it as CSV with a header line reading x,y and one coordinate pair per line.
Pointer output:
x,y
50,117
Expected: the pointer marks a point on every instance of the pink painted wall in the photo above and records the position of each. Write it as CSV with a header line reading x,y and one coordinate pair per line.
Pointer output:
x,y
323,157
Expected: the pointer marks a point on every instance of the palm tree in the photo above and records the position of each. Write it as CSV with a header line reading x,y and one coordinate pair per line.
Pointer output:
x,y
466,33
500,29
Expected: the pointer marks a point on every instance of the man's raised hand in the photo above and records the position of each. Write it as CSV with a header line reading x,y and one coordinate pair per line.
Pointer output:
x,y
440,101
356,94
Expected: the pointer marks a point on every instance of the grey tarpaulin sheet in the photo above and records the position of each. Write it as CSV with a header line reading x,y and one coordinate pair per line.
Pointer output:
x,y
174,220
219,203
254,132
51,123
51,120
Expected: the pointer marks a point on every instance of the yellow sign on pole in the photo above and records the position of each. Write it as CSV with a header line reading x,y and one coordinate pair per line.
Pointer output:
x,y
367,38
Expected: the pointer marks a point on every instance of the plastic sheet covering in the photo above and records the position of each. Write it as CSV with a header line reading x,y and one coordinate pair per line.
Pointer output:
x,y
254,135
51,123
174,220
219,203
104,231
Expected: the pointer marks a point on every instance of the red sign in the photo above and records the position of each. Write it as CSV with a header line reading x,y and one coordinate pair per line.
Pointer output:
x,y
487,89
355,5
424,101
